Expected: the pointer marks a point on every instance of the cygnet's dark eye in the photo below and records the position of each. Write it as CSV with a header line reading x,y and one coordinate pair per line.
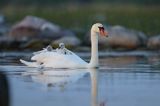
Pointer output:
x,y
101,28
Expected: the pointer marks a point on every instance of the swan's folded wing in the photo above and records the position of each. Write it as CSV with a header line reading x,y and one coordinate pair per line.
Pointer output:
x,y
44,56
51,59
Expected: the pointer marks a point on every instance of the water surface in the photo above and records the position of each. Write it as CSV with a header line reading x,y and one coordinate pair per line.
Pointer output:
x,y
121,80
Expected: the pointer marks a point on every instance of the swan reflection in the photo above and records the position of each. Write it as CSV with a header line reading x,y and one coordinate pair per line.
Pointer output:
x,y
55,77
94,87
61,78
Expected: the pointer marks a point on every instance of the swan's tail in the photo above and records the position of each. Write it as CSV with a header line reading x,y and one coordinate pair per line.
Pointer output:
x,y
30,64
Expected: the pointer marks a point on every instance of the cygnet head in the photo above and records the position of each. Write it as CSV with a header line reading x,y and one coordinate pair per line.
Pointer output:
x,y
61,45
99,28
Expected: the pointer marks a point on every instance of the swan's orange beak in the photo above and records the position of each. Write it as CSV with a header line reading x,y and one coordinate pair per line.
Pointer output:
x,y
103,32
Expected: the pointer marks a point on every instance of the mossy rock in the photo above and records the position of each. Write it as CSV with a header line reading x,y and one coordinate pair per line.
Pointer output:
x,y
34,44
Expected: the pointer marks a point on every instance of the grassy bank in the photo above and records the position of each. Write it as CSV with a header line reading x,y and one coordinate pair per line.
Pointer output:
x,y
80,17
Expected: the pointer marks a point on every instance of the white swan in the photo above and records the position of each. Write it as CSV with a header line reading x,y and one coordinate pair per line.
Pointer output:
x,y
55,59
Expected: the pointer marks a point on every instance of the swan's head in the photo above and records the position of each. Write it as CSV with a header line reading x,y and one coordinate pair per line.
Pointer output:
x,y
99,28
61,45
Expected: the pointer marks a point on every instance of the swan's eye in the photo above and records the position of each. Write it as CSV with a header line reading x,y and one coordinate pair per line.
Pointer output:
x,y
101,28
102,31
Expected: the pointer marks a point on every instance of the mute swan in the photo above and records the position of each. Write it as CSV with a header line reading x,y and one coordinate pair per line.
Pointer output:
x,y
56,59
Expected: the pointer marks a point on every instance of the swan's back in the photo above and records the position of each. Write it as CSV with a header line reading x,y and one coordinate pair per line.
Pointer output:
x,y
58,60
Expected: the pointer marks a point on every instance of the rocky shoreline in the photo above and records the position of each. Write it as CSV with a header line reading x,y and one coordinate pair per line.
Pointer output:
x,y
34,33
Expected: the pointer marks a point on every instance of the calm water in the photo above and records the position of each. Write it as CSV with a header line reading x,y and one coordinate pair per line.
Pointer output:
x,y
123,79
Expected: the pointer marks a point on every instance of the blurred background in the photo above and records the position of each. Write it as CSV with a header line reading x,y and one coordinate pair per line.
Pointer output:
x,y
128,18
134,29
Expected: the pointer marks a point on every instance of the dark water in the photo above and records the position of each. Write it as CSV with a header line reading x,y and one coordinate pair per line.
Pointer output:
x,y
132,79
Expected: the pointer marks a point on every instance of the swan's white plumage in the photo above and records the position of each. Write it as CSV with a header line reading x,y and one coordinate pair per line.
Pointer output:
x,y
66,58
56,60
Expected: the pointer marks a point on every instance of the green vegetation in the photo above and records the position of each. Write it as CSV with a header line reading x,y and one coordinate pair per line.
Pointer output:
x,y
42,2
79,17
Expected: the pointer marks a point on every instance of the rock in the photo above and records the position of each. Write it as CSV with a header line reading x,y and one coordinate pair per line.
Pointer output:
x,y
125,38
35,33
3,30
32,26
154,42
7,43
2,19
3,26
120,37
34,44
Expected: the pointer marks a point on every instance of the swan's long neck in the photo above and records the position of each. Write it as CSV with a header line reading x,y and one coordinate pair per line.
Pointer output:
x,y
94,62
